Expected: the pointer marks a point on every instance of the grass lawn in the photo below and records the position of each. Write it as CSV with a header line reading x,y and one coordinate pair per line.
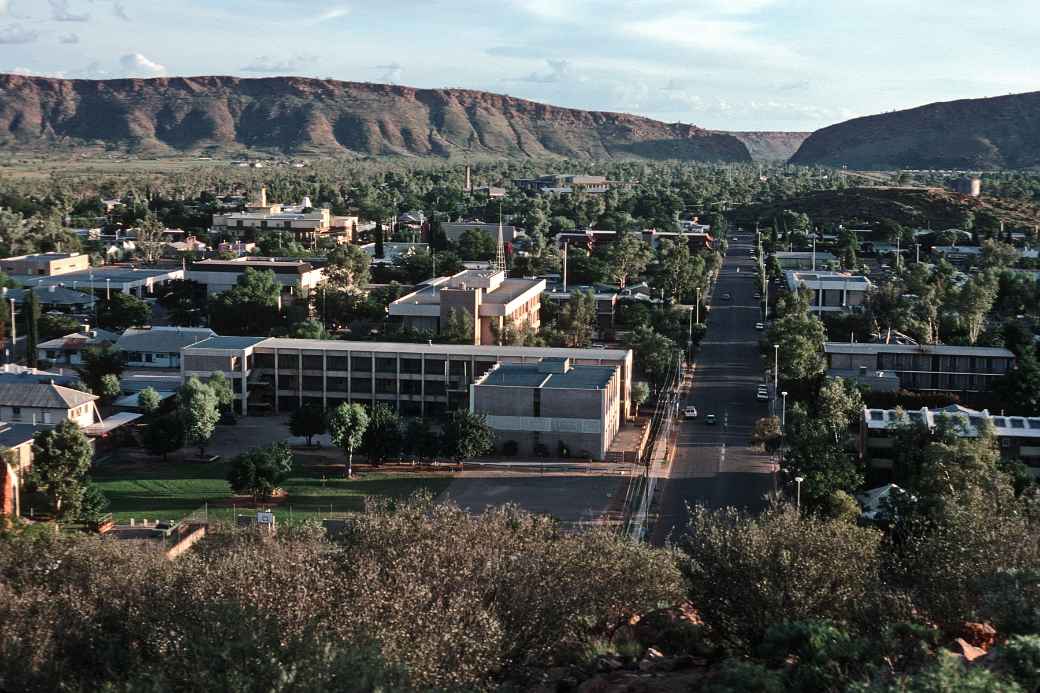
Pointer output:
x,y
171,490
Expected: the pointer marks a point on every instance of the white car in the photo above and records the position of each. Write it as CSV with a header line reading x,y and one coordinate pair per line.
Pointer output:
x,y
762,394
690,412
760,326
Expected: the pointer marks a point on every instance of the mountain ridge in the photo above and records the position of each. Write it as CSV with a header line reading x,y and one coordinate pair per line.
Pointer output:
x,y
297,115
989,133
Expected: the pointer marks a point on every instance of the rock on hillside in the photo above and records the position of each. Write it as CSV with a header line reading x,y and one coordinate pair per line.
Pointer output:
x,y
221,115
771,146
999,132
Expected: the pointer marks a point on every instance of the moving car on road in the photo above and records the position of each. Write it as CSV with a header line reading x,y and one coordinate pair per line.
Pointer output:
x,y
710,419
763,393
727,296
690,412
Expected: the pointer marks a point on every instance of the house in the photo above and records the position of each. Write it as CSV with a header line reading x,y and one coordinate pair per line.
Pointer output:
x,y
306,223
68,350
1018,436
297,277
51,297
236,248
45,264
831,292
453,230
959,255
551,407
492,301
281,374
16,441
40,403
158,347
923,367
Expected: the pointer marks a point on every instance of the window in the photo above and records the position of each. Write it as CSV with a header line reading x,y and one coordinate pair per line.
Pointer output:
x,y
51,354
148,358
16,413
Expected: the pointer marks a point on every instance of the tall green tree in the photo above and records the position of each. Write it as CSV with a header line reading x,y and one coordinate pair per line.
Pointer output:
x,y
198,409
308,421
348,266
251,307
460,327
97,363
801,336
165,434
261,471
122,311
475,244
577,319
221,387
466,435
31,306
420,440
974,301
678,270
347,424
627,257
61,460
148,400
383,438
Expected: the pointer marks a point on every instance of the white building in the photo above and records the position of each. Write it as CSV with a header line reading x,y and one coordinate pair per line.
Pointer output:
x,y
296,276
831,292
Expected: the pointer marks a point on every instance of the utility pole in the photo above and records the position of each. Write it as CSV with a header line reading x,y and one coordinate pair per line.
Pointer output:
x,y
14,336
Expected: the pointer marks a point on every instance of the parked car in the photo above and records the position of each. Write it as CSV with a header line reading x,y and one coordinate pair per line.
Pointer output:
x,y
760,326
690,412
762,395
758,294
710,419
727,296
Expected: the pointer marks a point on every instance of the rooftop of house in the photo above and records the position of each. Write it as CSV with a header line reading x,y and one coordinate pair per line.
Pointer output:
x,y
81,340
550,373
497,289
42,257
233,343
969,420
13,435
15,374
934,349
42,395
164,339
52,295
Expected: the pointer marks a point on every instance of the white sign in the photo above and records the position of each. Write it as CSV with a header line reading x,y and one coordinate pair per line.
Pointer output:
x,y
265,518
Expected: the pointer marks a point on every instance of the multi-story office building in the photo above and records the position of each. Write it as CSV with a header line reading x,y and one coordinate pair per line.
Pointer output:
x,y
831,292
804,260
307,224
276,374
45,264
491,300
941,367
296,276
551,406
1017,436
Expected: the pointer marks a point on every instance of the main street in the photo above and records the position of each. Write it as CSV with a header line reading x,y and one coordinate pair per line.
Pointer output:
x,y
713,464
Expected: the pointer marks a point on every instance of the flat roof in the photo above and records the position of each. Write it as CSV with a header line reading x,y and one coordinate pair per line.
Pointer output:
x,y
936,349
100,274
236,343
579,377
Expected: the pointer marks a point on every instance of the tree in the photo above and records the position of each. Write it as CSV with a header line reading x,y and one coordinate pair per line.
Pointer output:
x,y
198,411
997,255
222,390
655,354
61,460
348,266
1020,387
577,318
97,363
475,244
801,336
251,307
839,404
94,505
626,257
148,401
31,308
123,311
420,441
766,434
309,420
149,242
466,435
640,393
813,453
347,424
974,301
383,437
261,471
110,387
678,270
460,328
54,325
165,434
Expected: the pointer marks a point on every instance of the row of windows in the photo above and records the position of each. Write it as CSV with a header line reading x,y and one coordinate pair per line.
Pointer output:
x,y
383,386
366,364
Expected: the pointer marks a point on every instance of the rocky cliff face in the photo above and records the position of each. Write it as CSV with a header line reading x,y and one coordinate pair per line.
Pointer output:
x,y
771,146
221,115
1001,132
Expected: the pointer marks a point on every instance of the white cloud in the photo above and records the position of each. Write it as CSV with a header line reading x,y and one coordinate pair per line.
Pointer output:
x,y
69,38
559,71
266,64
137,65
60,12
29,72
390,73
5,7
333,13
120,11
15,33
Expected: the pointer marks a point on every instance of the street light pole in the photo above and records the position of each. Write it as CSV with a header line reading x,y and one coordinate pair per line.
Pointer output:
x,y
14,337
783,413
798,492
776,369
697,304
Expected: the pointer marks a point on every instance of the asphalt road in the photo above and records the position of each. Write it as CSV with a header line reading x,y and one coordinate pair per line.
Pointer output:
x,y
713,465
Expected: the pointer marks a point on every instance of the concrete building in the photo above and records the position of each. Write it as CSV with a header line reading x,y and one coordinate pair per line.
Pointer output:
x,y
68,350
130,280
572,183
831,292
1017,436
922,367
279,374
296,276
492,300
453,230
45,264
798,260
306,223
551,407
158,347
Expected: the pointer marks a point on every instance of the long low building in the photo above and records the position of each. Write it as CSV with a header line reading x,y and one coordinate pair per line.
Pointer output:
x,y
280,374
296,276
921,367
129,280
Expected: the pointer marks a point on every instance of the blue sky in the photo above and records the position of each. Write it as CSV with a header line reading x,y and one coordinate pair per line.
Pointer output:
x,y
724,64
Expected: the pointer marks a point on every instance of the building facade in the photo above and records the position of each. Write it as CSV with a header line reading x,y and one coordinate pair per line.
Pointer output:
x,y
923,367
46,404
280,374
158,347
45,264
306,223
831,292
551,407
487,296
297,277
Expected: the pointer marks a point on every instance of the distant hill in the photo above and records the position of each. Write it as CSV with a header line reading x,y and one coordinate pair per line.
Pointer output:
x,y
292,115
999,132
771,146
915,207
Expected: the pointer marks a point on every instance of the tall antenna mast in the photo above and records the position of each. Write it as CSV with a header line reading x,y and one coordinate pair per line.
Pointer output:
x,y
500,251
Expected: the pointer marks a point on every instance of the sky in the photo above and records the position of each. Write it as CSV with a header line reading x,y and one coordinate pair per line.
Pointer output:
x,y
720,64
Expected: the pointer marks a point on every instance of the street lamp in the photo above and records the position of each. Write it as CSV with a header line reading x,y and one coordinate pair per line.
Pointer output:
x,y
108,288
783,413
697,304
776,369
798,492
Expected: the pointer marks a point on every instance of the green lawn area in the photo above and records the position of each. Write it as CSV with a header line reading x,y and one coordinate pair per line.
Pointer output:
x,y
169,491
